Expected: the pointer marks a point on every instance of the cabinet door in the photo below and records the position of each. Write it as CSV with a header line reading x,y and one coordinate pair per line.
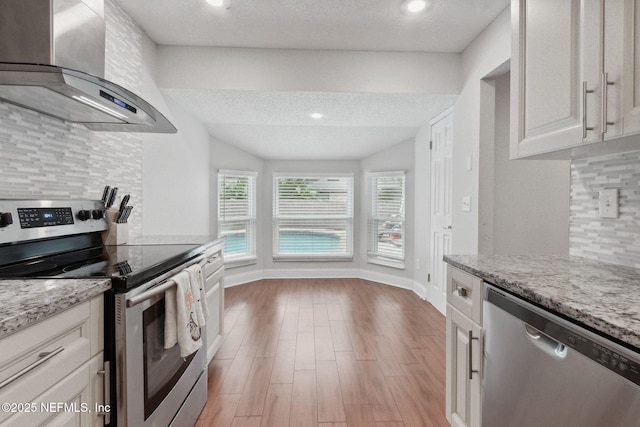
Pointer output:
x,y
215,302
463,393
556,74
626,88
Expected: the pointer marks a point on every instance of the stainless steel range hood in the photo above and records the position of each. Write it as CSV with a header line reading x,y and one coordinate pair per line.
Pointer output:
x,y
52,61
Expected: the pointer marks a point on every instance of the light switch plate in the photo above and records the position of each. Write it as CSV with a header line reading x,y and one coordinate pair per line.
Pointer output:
x,y
608,203
466,204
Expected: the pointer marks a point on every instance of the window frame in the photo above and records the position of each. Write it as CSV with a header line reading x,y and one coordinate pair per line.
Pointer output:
x,y
374,217
348,217
250,220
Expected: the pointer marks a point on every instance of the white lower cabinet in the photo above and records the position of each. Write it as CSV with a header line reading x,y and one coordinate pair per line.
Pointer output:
x,y
464,349
53,373
214,285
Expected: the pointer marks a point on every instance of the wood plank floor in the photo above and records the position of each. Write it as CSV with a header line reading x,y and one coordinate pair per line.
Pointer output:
x,y
327,353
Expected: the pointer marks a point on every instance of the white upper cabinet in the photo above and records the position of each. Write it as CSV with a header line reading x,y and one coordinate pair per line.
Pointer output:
x,y
574,77
629,59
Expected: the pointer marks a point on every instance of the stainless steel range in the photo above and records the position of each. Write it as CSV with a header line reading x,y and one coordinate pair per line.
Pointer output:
x,y
150,386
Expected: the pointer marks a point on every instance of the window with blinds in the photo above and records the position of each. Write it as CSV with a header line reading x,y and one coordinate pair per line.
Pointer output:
x,y
312,217
237,214
386,221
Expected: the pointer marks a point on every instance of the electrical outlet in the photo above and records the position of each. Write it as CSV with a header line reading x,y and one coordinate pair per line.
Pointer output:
x,y
466,204
608,203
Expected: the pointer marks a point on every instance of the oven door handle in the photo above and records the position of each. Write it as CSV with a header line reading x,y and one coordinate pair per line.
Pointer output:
x,y
156,290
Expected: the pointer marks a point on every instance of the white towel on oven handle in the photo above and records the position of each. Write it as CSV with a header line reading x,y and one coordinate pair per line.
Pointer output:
x,y
199,292
185,321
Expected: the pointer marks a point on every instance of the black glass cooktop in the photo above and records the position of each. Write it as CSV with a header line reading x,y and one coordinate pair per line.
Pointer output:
x,y
127,265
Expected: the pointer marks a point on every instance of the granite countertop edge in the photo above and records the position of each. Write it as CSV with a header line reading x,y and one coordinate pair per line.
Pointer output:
x,y
618,317
24,303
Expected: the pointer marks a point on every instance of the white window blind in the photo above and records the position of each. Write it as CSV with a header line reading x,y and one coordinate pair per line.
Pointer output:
x,y
313,217
237,213
386,219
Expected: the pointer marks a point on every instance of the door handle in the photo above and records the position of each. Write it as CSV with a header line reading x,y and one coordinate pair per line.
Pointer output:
x,y
447,227
585,91
605,95
471,370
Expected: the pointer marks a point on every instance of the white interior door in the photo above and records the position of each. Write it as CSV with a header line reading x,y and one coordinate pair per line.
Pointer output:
x,y
441,196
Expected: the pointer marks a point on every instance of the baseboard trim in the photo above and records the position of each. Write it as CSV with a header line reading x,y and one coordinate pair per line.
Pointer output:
x,y
386,279
312,273
420,290
241,278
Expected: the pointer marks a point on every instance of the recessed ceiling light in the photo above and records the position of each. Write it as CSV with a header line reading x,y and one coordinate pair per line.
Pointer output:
x,y
219,3
414,6
316,115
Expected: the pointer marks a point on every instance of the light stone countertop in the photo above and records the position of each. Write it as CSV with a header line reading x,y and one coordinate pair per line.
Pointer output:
x,y
605,297
26,302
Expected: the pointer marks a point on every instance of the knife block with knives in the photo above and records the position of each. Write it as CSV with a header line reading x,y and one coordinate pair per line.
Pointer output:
x,y
118,231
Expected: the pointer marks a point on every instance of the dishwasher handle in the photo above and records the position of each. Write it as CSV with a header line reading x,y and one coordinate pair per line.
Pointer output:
x,y
545,343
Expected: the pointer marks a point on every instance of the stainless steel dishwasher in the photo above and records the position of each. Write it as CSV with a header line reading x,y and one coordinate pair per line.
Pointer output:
x,y
541,370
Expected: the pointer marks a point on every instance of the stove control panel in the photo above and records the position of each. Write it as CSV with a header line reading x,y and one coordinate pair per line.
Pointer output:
x,y
22,220
44,217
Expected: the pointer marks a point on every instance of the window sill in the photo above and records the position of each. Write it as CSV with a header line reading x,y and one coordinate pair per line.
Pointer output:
x,y
239,262
308,258
386,262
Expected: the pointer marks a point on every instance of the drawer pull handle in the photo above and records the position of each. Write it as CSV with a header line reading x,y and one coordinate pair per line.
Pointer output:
x,y
463,292
42,357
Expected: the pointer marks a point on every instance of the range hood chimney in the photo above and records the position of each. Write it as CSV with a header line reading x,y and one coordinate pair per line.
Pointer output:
x,y
52,56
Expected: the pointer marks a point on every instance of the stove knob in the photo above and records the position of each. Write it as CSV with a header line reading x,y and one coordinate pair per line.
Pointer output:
x,y
97,214
84,215
623,367
5,219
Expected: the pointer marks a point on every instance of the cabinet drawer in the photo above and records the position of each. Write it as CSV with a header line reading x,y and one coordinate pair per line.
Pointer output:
x,y
213,264
64,340
464,292
75,390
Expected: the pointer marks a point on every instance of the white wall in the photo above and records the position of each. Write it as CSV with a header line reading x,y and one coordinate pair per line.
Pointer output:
x,y
175,167
422,210
307,70
488,51
524,204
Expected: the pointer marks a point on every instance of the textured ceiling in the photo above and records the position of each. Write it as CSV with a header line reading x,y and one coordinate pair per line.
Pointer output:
x,y
376,25
276,124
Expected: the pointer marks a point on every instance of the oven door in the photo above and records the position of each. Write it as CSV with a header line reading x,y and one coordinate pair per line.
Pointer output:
x,y
154,386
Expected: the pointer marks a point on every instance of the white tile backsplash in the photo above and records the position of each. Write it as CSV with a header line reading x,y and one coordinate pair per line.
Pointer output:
x,y
42,157
610,240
